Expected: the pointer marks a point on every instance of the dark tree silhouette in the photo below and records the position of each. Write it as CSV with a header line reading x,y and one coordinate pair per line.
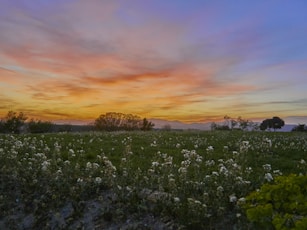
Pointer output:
x,y
274,123
300,128
13,122
147,125
38,126
119,121
278,123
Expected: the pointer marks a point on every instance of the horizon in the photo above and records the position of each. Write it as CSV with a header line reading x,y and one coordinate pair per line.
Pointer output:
x,y
189,61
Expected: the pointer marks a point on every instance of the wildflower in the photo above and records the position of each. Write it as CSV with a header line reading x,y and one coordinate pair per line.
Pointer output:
x,y
205,196
88,166
176,199
95,166
219,191
197,202
210,148
45,165
268,177
268,141
210,163
277,172
241,200
267,167
155,164
124,159
71,151
235,153
182,170
232,198
98,180
223,170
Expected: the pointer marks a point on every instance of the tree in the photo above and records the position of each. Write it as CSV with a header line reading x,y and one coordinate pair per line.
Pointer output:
x,y
2,126
277,123
39,126
274,123
243,123
13,122
118,121
300,128
147,125
213,126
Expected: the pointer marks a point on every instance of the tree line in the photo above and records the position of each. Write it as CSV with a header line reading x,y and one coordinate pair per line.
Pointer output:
x,y
17,123
245,124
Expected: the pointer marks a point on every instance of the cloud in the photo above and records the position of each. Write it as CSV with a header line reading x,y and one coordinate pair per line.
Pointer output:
x,y
112,55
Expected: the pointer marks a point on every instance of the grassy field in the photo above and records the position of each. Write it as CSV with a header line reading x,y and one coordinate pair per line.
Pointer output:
x,y
140,180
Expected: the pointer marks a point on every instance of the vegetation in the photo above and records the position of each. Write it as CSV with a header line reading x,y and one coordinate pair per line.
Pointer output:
x,y
38,126
235,124
300,128
13,122
152,180
274,123
280,204
119,121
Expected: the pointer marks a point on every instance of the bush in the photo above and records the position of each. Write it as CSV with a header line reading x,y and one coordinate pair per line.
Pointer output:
x,y
39,126
280,205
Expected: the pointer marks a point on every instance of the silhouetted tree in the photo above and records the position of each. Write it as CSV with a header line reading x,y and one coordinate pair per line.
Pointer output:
x,y
39,126
118,121
147,125
13,122
2,126
278,123
300,128
274,123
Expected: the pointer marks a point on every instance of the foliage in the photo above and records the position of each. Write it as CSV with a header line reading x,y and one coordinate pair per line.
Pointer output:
x,y
300,128
13,122
274,123
63,128
2,126
281,204
117,121
235,124
39,126
147,125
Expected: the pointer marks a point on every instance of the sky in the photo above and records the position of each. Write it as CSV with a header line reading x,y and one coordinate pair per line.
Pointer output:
x,y
191,61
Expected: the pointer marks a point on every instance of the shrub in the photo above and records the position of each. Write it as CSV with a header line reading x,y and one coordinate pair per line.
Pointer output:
x,y
279,205
39,126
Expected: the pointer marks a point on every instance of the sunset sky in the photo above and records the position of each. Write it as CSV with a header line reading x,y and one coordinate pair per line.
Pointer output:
x,y
186,60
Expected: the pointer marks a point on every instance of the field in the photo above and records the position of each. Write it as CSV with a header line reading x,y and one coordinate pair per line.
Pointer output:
x,y
140,180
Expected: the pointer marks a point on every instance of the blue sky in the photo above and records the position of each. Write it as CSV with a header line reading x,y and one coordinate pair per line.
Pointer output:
x,y
193,61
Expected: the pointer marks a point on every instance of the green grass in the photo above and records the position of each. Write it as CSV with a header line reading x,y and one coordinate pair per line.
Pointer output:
x,y
184,177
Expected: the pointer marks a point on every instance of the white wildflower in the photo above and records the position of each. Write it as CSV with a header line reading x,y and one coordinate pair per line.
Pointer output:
x,y
98,180
267,167
268,177
232,198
